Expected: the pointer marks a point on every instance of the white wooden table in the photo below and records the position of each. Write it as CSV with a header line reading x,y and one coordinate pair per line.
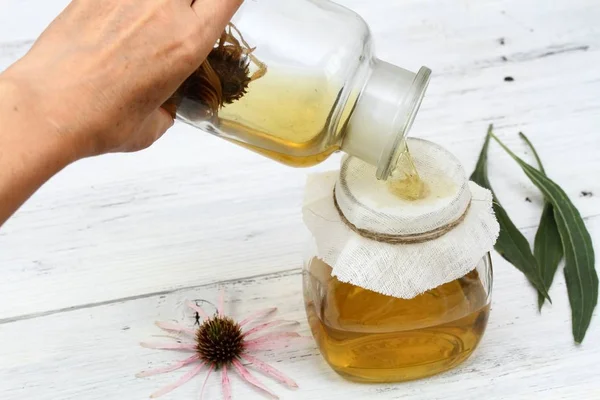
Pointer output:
x,y
114,243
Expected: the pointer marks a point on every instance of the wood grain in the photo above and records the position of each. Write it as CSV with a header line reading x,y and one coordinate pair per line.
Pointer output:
x,y
93,353
95,249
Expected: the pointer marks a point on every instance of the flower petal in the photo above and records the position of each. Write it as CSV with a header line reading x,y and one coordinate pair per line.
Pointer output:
x,y
173,327
176,366
267,369
197,308
210,370
258,314
220,304
271,324
169,346
183,380
272,336
225,383
274,341
251,379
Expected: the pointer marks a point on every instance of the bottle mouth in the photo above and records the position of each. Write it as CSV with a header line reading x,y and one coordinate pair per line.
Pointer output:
x,y
403,121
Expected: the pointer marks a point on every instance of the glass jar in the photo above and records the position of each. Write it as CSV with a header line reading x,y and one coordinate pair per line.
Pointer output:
x,y
296,81
398,287
369,337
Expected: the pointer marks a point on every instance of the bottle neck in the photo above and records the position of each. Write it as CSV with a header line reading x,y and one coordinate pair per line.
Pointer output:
x,y
383,115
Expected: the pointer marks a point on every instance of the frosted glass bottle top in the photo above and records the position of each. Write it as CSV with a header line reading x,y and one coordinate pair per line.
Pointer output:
x,y
384,114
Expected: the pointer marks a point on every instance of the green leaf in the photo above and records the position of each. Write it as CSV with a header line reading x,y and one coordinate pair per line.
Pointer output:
x,y
547,248
580,272
511,244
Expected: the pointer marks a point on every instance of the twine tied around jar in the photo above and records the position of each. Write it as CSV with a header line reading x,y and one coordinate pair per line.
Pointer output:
x,y
401,239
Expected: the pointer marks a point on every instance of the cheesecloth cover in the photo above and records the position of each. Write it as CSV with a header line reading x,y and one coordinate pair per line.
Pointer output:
x,y
378,241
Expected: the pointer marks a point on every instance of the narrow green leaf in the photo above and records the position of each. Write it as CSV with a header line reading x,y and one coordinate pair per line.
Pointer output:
x,y
580,272
511,244
547,248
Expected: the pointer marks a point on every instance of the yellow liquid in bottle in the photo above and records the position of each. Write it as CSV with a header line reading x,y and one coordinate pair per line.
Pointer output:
x,y
290,119
369,337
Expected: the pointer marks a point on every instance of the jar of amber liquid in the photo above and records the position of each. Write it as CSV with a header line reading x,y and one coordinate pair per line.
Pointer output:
x,y
386,309
369,337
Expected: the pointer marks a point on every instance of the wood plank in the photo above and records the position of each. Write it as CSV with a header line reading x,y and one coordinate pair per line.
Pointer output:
x,y
93,353
193,209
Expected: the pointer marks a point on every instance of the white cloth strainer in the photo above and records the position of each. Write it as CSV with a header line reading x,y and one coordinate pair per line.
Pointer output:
x,y
396,255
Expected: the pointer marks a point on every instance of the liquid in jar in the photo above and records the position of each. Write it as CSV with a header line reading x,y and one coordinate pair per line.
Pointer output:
x,y
369,337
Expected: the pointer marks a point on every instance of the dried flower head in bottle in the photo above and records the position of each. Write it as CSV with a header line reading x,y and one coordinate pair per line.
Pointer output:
x,y
223,77
220,343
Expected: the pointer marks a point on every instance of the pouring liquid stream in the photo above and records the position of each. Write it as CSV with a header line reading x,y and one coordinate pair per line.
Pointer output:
x,y
405,181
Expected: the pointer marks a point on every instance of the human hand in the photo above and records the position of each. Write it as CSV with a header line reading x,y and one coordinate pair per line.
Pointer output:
x,y
99,73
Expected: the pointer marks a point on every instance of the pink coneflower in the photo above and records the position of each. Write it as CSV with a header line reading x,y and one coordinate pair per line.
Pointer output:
x,y
220,343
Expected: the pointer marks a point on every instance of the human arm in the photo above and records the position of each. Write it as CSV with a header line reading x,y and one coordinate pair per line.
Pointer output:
x,y
30,152
93,83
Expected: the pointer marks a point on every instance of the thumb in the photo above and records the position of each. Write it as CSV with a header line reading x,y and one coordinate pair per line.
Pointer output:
x,y
153,127
162,121
156,125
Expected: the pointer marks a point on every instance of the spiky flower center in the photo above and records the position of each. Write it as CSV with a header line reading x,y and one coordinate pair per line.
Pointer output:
x,y
219,341
233,69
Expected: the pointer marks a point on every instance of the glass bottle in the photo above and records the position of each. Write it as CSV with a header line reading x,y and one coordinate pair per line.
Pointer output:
x,y
296,81
369,337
